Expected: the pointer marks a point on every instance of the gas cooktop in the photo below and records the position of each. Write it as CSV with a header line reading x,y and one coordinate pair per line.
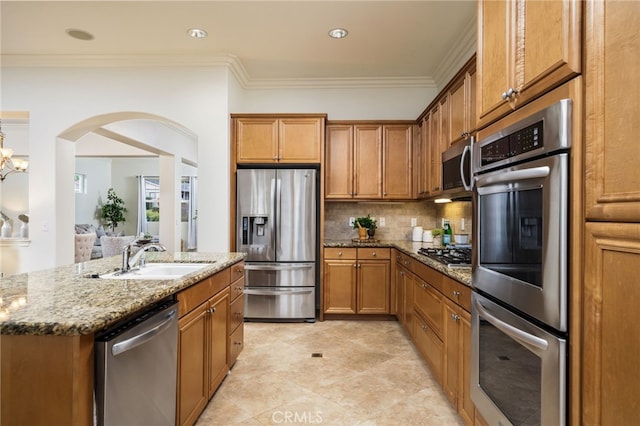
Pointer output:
x,y
453,257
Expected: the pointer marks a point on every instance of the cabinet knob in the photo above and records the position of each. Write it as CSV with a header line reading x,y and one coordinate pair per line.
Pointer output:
x,y
504,95
401,273
456,293
355,265
455,317
339,253
212,310
374,254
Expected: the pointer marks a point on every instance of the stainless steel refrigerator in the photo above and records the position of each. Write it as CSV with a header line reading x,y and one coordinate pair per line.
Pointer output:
x,y
277,228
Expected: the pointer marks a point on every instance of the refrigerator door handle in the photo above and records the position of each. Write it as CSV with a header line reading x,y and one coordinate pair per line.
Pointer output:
x,y
290,267
275,292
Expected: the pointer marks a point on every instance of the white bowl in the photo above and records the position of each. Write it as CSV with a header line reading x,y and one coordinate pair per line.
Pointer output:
x,y
461,238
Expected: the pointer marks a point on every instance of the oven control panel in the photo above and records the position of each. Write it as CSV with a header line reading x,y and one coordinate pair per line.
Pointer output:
x,y
524,140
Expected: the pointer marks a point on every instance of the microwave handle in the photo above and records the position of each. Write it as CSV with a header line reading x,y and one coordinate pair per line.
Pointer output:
x,y
528,340
467,149
513,176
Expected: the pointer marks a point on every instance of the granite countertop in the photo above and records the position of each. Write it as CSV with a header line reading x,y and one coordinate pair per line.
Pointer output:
x,y
410,248
66,301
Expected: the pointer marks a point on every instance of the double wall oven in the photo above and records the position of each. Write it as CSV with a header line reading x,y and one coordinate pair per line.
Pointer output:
x,y
520,269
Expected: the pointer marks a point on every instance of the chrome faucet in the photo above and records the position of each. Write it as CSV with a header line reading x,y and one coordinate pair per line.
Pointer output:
x,y
129,262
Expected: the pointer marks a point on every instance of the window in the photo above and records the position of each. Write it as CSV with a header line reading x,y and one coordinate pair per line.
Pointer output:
x,y
152,198
80,182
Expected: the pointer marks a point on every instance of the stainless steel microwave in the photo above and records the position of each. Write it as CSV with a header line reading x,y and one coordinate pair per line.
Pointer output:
x,y
457,176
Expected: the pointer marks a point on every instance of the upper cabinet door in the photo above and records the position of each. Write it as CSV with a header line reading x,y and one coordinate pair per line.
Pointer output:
x,y
367,161
525,48
612,150
397,167
257,140
300,140
339,162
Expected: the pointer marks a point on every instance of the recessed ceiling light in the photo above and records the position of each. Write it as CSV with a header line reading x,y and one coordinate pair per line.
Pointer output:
x,y
80,34
197,33
338,33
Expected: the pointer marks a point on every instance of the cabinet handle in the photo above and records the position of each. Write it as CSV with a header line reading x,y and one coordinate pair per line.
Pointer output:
x,y
455,317
212,310
456,293
509,93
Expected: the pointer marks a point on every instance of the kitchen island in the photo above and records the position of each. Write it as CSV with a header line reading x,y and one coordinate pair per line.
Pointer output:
x,y
48,321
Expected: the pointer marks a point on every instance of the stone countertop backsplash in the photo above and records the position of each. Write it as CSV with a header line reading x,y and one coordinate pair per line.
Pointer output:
x,y
410,248
67,301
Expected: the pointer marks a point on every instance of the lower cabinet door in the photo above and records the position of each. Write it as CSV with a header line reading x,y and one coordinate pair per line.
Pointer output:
x,y
373,287
219,312
192,365
429,344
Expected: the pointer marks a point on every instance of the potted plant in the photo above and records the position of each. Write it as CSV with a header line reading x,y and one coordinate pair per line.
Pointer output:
x,y
366,226
113,210
437,236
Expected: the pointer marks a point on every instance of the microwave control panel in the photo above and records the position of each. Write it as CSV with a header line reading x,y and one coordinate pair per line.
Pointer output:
x,y
524,140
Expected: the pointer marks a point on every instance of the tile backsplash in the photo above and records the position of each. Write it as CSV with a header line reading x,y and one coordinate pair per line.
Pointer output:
x,y
397,217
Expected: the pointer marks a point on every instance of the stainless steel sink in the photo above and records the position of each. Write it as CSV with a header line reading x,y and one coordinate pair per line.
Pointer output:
x,y
157,271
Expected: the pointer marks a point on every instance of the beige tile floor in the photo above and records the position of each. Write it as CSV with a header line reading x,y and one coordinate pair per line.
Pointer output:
x,y
369,374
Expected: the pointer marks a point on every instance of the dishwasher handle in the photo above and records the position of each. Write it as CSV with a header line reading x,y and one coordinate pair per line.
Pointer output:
x,y
143,337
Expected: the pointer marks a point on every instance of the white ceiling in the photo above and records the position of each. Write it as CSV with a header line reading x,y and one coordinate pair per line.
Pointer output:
x,y
266,41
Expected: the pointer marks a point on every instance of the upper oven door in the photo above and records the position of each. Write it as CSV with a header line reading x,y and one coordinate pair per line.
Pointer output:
x,y
521,236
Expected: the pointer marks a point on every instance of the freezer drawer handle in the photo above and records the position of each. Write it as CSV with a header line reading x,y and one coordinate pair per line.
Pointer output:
x,y
276,267
517,334
275,293
143,337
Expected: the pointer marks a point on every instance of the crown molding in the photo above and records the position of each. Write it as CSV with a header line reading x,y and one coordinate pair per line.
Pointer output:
x,y
463,49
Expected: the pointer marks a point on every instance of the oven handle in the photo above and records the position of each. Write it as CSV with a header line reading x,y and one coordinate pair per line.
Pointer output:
x,y
526,339
277,267
513,176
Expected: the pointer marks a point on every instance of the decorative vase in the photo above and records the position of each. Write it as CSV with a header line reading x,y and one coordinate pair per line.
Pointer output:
x,y
5,231
24,230
362,233
371,232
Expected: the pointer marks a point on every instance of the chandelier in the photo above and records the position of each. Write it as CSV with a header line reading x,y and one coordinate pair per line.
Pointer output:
x,y
7,164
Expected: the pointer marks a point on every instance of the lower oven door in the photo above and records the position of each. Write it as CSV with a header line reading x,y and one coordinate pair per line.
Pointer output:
x,y
518,370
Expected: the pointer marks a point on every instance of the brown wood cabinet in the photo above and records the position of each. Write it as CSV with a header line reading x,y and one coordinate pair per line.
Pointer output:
x,y
236,313
435,151
462,104
287,138
357,281
533,46
612,108
605,299
368,161
611,379
440,324
204,335
422,165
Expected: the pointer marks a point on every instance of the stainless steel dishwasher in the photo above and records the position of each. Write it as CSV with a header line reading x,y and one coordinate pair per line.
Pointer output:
x,y
136,368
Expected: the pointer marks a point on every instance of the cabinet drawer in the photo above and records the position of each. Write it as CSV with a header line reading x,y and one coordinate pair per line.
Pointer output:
x,y
193,296
458,293
431,276
236,289
428,302
236,342
236,314
429,345
340,253
237,271
372,253
406,261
